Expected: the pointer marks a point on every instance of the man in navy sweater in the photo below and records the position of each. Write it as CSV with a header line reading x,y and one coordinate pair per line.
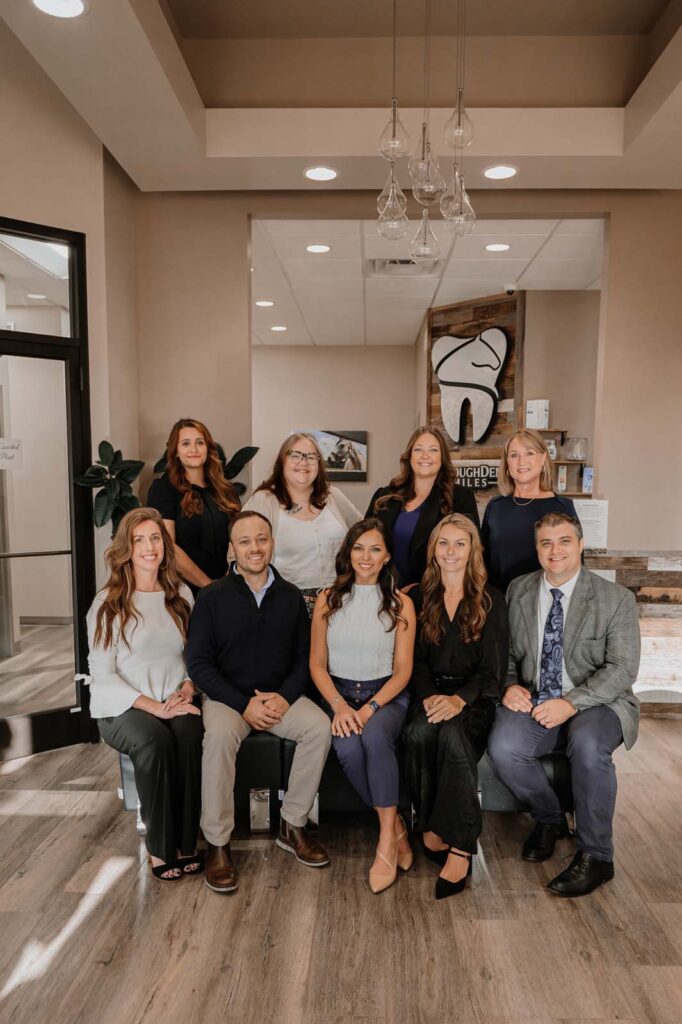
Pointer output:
x,y
249,644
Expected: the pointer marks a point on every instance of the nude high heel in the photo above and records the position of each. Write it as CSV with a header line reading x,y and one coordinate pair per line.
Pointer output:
x,y
405,860
377,881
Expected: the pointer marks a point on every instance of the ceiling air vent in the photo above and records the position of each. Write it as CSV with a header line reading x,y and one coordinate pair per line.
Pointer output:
x,y
401,268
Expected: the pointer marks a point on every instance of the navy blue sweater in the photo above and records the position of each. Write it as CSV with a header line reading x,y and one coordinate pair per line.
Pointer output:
x,y
236,648
508,535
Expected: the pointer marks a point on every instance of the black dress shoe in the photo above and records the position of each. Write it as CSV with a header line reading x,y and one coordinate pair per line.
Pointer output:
x,y
437,856
444,887
540,843
584,874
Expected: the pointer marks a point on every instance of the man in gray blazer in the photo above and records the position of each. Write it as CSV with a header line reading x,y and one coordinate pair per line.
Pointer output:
x,y
568,688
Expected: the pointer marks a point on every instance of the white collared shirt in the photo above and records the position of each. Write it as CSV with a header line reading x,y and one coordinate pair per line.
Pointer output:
x,y
259,594
545,601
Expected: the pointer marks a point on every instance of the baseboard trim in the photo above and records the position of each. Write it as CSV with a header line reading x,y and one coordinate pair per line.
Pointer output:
x,y
46,620
660,709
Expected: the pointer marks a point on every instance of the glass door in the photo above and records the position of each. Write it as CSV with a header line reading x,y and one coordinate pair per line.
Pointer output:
x,y
46,533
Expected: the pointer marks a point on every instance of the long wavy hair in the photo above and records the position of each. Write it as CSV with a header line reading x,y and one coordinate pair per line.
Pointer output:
x,y
475,604
119,590
402,485
505,484
276,484
220,488
391,603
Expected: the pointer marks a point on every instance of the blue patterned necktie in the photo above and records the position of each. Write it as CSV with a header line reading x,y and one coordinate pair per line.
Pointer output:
x,y
552,651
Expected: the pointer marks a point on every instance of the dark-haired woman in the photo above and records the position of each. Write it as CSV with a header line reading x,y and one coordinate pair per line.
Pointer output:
x,y
309,517
139,690
417,498
460,662
196,502
361,661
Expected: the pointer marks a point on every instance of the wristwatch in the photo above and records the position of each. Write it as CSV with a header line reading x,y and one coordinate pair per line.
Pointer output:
x,y
374,706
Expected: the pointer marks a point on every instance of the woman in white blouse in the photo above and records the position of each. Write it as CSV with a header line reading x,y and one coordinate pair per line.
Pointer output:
x,y
309,517
139,690
361,661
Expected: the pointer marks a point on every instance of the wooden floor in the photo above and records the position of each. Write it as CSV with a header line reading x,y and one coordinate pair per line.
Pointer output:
x,y
86,935
40,676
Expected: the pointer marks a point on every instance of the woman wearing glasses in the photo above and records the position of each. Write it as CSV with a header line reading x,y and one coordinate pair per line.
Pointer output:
x,y
309,517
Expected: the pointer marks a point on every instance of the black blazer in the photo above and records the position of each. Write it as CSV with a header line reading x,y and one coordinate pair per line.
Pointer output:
x,y
429,516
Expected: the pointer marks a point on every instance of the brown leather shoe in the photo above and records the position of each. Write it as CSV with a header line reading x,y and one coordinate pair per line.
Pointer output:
x,y
306,850
221,874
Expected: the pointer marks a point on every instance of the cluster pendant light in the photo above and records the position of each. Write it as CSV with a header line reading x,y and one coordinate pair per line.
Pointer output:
x,y
429,187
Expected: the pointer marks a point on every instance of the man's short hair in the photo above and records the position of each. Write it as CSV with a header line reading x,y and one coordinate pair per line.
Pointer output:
x,y
248,513
558,519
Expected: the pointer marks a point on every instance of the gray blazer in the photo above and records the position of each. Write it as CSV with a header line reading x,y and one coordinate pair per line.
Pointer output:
x,y
601,644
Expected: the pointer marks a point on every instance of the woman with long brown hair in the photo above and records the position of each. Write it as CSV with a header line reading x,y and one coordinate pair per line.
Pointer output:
x,y
361,661
526,495
196,502
459,664
416,498
139,690
309,517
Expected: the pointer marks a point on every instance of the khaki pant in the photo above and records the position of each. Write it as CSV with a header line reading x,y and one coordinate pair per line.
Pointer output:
x,y
224,729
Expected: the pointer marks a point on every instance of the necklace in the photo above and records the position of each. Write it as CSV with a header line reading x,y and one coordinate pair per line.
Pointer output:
x,y
521,504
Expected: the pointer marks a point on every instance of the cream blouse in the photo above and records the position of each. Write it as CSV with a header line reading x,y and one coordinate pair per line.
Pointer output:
x,y
153,665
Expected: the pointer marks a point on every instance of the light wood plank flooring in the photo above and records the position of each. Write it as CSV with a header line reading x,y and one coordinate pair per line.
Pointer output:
x,y
40,677
86,935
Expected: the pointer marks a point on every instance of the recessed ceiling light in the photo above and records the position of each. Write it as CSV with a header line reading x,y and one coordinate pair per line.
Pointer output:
x,y
278,328
498,247
500,171
318,248
321,173
60,8
34,295
264,302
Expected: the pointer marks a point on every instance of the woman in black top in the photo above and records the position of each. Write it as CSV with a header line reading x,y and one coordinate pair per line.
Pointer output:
x,y
196,503
417,498
526,495
460,661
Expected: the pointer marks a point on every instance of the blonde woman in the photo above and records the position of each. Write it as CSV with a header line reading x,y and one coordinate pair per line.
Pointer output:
x,y
309,517
526,495
459,663
139,690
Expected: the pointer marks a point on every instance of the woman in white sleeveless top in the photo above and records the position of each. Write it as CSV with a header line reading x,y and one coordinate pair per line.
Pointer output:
x,y
309,517
361,661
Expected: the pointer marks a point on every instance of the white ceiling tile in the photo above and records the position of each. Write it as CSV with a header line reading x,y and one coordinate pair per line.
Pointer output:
x,y
302,271
342,246
572,247
484,270
521,246
525,226
279,228
577,226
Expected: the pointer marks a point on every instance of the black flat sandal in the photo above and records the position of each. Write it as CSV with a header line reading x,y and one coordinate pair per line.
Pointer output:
x,y
444,887
192,865
159,871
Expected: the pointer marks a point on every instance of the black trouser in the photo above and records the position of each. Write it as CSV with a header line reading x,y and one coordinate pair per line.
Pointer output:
x,y
441,765
166,756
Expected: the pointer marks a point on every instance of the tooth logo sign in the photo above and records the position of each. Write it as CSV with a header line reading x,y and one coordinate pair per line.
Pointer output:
x,y
468,368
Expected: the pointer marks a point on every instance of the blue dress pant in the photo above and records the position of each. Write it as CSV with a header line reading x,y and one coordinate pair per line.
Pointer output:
x,y
589,738
369,760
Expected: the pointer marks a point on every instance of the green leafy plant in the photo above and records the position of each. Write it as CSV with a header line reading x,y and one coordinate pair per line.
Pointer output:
x,y
231,469
114,475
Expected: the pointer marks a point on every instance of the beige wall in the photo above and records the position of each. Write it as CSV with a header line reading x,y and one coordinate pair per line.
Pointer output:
x,y
360,388
120,195
560,357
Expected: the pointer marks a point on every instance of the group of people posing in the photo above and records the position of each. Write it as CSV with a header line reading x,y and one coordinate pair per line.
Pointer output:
x,y
386,636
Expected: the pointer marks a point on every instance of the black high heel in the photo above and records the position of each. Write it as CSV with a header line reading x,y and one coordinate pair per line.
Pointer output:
x,y
444,887
437,856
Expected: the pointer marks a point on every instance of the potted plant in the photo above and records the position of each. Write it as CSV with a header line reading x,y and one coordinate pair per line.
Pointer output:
x,y
115,476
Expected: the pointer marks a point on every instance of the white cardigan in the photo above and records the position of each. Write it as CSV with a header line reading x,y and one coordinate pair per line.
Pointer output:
x,y
338,504
153,665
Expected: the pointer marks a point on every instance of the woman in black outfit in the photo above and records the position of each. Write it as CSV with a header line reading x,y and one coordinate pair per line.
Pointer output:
x,y
460,660
196,502
417,498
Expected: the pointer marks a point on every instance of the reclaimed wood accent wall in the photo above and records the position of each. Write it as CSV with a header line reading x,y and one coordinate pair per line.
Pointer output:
x,y
477,403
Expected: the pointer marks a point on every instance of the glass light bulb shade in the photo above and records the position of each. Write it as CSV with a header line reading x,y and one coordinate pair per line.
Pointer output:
x,y
391,195
430,190
418,166
393,224
394,142
424,247
459,130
